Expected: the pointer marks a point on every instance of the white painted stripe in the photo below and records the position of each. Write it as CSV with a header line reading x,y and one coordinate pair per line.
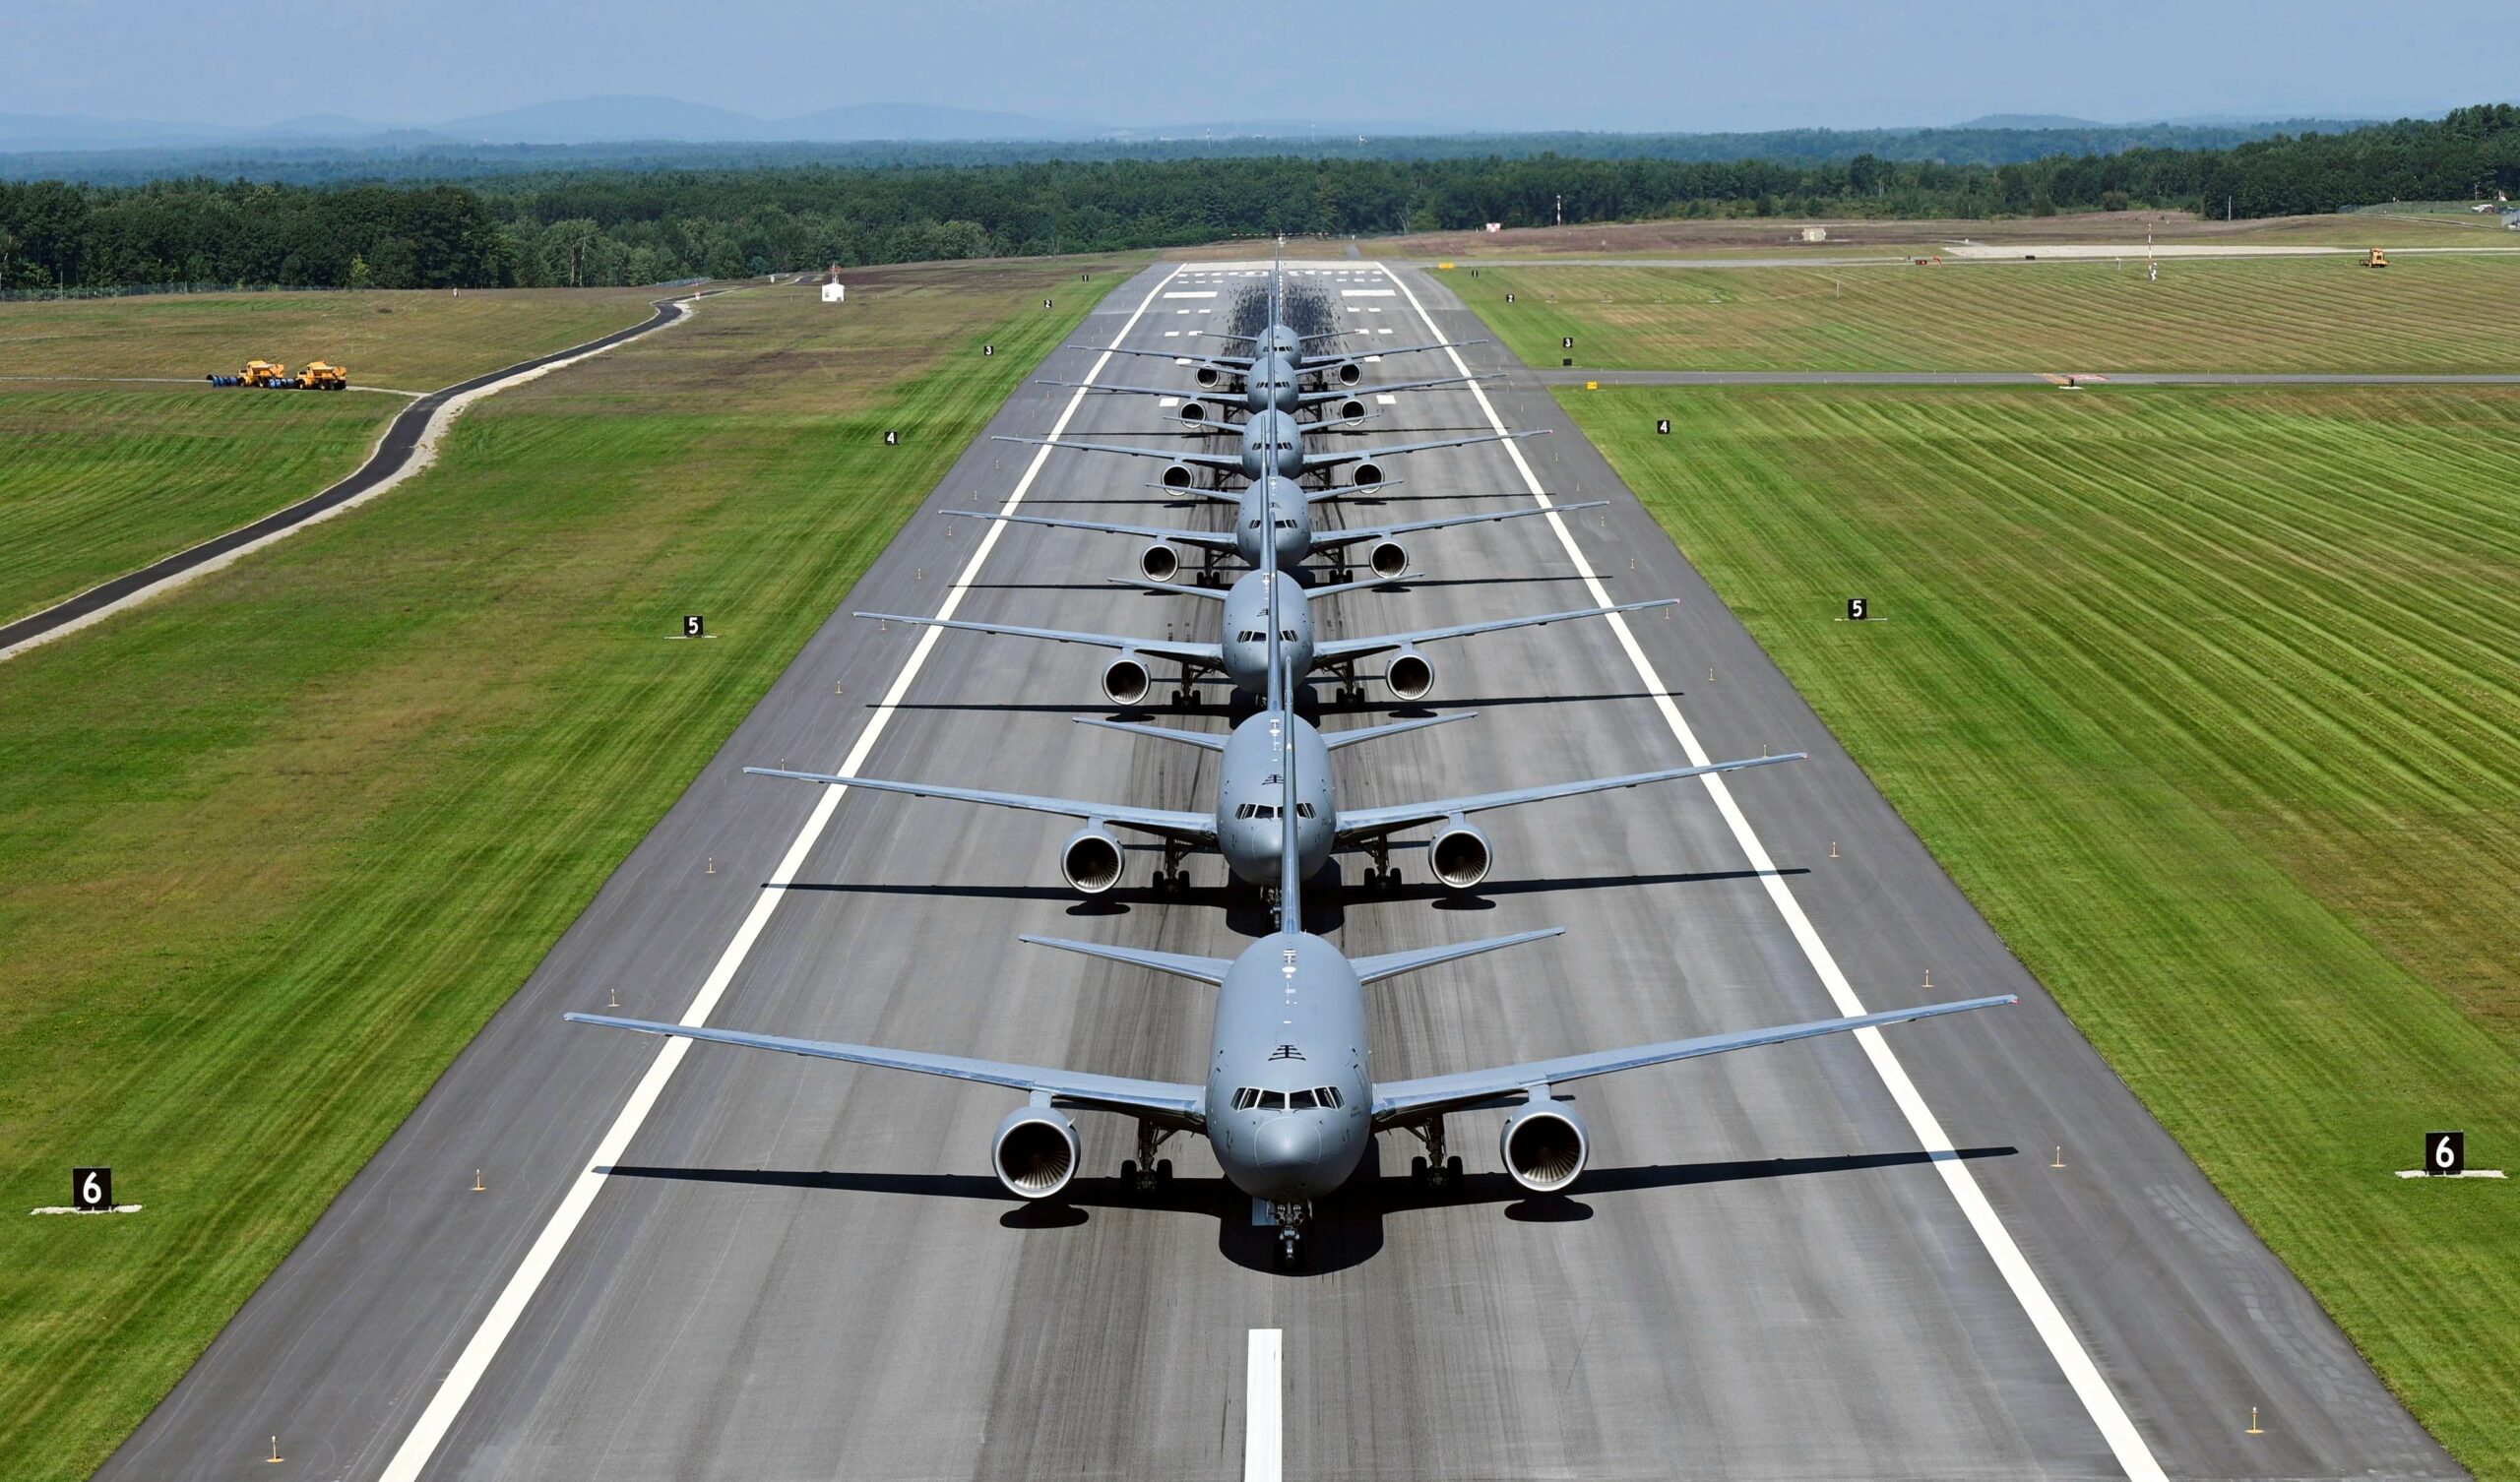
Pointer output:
x,y
448,1403
1365,292
2134,1457
1264,1422
1192,294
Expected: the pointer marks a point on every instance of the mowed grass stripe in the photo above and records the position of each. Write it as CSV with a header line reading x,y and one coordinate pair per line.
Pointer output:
x,y
288,839
2448,313
2221,749
100,483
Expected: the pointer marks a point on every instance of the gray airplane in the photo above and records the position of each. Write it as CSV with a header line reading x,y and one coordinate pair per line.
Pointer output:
x,y
1274,385
1290,1102
1273,442
1274,504
1243,653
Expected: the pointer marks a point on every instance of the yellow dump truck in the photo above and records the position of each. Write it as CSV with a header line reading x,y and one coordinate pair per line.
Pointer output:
x,y
323,377
2376,258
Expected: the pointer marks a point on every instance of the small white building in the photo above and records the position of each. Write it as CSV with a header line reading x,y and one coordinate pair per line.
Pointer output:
x,y
1815,233
834,293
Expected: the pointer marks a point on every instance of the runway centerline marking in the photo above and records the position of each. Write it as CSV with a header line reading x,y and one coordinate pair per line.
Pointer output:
x,y
429,1431
2126,1443
1264,1424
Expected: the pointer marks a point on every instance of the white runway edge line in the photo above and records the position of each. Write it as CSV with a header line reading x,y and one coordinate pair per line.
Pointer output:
x,y
1264,1420
448,1403
2125,1441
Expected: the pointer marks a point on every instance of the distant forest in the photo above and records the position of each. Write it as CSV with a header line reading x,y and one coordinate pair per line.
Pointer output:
x,y
589,225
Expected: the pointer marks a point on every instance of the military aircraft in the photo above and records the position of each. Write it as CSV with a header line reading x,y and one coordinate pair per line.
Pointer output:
x,y
1290,1103
1272,386
1273,442
1271,503
1244,653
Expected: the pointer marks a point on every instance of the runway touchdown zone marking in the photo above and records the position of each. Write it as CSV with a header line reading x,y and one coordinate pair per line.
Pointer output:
x,y
2126,1443
429,1432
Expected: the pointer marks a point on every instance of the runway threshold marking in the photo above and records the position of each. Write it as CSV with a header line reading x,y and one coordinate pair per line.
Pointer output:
x,y
2126,1443
429,1431
1264,1422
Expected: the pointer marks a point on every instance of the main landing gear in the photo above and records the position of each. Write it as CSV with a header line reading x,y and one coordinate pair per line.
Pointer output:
x,y
1382,873
1171,877
1145,1173
1433,1170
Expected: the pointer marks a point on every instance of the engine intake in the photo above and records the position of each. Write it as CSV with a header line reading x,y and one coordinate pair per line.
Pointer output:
x,y
1195,414
1160,563
1035,1154
1412,675
1543,1147
1351,409
1460,856
1178,476
1367,476
1207,376
1387,559
1126,681
1091,861
1348,373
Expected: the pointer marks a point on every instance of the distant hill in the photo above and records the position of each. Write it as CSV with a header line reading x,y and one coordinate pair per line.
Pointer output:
x,y
616,119
2030,121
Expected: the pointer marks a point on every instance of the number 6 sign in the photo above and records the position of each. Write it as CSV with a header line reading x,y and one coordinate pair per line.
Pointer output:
x,y
91,1189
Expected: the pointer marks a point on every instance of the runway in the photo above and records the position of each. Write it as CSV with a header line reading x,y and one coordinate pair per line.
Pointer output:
x,y
797,1269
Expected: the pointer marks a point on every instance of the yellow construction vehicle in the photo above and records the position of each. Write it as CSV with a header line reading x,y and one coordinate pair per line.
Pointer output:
x,y
255,373
323,377
2376,258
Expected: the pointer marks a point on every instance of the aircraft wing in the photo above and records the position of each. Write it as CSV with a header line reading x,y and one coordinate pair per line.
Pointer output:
x,y
1357,648
1165,823
1231,463
1180,1106
1365,823
1332,539
1316,398
1203,539
1401,1101
1334,460
1237,364
1405,349
1192,655
1167,588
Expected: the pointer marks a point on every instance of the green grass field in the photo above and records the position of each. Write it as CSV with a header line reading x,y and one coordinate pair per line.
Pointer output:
x,y
2206,698
413,340
2425,314
103,480
280,843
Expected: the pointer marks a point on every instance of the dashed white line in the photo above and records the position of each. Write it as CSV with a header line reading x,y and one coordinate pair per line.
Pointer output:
x,y
2089,1384
429,1431
1264,1424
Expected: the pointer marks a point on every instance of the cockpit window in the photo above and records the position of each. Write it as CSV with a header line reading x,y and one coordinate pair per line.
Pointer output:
x,y
1305,1101
1303,810
1273,1100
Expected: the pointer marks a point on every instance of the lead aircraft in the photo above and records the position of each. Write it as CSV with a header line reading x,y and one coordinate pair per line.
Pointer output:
x,y
1291,1101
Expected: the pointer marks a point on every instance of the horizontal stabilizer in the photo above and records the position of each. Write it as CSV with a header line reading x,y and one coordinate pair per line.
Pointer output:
x,y
1392,964
1209,970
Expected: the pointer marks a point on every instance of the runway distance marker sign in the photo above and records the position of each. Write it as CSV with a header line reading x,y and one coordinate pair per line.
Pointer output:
x,y
694,626
1857,609
892,438
91,1189
1662,426
2446,1153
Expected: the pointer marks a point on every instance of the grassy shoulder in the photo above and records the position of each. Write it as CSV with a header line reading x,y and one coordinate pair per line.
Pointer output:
x,y
2205,698
2435,314
283,841
105,480
414,340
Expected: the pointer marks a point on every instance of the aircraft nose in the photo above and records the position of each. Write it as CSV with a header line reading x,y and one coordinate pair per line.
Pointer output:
x,y
1287,1144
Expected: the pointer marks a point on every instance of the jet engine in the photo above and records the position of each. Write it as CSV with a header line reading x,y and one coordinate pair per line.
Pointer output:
x,y
1125,680
1387,559
1346,372
1194,412
1349,410
1542,1146
1366,475
1411,676
1091,861
1208,376
1460,856
1178,475
1160,563
1034,1153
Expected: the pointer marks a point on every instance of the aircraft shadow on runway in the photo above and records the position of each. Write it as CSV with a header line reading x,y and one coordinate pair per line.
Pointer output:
x,y
1347,1230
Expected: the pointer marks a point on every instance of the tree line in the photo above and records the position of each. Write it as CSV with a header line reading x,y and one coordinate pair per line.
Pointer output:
x,y
641,226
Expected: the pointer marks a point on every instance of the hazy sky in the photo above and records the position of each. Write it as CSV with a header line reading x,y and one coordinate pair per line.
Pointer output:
x,y
1503,62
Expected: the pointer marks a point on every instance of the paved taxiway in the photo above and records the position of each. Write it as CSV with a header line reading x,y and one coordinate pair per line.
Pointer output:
x,y
797,1269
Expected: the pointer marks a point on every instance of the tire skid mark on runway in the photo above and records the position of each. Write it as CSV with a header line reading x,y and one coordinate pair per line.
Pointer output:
x,y
2125,1443
447,1404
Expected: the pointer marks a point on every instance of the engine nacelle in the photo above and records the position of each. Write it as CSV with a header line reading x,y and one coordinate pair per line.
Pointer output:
x,y
1195,414
1367,476
1160,563
1411,676
1543,1147
1347,373
1460,856
1035,1153
1207,376
1350,411
1387,559
1126,681
1178,475
1091,861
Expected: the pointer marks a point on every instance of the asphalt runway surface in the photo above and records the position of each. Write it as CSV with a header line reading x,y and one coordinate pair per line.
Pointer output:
x,y
402,439
799,1270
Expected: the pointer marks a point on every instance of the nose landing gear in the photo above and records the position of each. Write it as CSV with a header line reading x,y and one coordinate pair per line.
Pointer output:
x,y
1291,1219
